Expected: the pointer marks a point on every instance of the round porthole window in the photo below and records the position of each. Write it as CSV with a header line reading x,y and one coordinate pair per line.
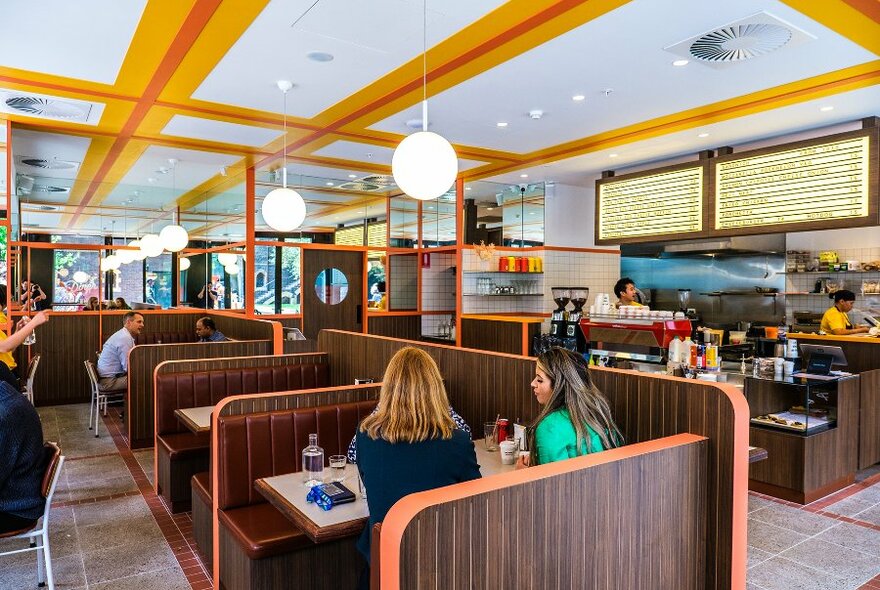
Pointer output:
x,y
331,286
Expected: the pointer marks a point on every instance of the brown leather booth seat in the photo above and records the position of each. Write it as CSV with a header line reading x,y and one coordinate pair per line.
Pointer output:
x,y
165,337
183,453
255,538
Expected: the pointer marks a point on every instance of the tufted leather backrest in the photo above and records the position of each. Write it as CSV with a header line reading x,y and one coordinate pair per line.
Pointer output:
x,y
165,337
207,388
252,446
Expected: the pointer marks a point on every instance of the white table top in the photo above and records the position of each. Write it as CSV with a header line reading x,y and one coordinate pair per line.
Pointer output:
x,y
196,419
288,494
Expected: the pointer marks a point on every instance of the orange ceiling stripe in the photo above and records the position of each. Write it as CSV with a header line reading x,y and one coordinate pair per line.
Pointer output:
x,y
857,20
186,36
845,80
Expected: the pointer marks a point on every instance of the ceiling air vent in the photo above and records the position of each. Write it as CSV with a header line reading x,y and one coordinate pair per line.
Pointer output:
x,y
43,107
42,188
741,40
383,180
53,164
360,186
47,208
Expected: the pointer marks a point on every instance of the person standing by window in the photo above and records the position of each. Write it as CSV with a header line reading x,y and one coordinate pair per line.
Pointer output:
x,y
31,296
208,297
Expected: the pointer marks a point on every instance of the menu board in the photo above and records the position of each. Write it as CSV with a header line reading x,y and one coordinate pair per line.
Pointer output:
x,y
649,205
821,182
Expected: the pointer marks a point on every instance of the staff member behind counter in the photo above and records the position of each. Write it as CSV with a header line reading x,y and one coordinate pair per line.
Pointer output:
x,y
835,321
626,293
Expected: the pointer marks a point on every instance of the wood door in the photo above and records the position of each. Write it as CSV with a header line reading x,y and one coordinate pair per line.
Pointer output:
x,y
347,314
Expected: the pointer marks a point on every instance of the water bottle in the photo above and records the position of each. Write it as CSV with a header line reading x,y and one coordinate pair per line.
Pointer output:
x,y
32,337
313,462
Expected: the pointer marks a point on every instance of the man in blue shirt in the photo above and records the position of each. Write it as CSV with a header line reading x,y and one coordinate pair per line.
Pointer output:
x,y
113,361
21,461
207,331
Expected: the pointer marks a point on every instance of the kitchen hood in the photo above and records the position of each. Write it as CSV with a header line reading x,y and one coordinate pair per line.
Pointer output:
x,y
718,247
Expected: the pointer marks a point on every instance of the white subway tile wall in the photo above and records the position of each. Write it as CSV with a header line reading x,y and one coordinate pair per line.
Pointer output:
x,y
597,271
438,283
403,281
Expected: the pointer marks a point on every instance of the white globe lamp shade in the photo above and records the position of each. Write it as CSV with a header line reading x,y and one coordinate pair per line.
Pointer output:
x,y
151,245
184,264
112,262
174,238
284,209
231,269
227,259
424,165
137,253
103,265
81,277
125,256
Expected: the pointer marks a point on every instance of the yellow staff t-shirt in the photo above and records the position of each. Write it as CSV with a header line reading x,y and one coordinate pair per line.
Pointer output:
x,y
6,357
834,319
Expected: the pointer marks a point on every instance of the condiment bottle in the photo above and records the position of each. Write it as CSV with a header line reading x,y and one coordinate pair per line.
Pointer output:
x,y
532,264
539,265
502,430
502,264
511,264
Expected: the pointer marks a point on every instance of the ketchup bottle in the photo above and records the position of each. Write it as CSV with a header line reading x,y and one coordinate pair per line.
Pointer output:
x,y
502,430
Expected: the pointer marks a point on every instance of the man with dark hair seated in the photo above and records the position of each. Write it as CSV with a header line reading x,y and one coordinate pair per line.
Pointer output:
x,y
113,361
21,461
207,331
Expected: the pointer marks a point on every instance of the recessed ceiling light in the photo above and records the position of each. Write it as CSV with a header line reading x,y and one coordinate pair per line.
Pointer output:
x,y
329,183
612,155
467,188
352,175
826,109
320,56
680,62
523,175
501,124
703,135
151,179
578,97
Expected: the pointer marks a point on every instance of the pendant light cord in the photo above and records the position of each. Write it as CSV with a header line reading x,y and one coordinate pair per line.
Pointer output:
x,y
284,143
424,65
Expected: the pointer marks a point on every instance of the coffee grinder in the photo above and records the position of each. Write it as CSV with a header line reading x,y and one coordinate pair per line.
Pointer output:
x,y
574,335
684,298
558,327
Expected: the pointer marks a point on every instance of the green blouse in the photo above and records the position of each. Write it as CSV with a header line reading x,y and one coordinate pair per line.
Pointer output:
x,y
556,439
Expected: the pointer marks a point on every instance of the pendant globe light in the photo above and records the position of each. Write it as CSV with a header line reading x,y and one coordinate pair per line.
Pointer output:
x,y
137,253
232,269
184,264
283,208
227,259
424,165
174,237
112,262
151,245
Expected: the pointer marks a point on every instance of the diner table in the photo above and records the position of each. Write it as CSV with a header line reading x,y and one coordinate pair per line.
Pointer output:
x,y
196,419
288,492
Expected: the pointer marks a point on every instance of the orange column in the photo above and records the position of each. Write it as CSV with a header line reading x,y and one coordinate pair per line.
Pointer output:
x,y
250,209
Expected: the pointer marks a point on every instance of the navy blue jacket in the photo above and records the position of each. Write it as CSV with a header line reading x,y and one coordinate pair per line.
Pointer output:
x,y
21,455
392,471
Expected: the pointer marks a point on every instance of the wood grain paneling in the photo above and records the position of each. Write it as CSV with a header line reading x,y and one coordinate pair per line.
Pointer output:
x,y
142,362
408,327
232,325
345,315
238,362
63,344
494,336
299,346
290,400
482,385
632,523
869,418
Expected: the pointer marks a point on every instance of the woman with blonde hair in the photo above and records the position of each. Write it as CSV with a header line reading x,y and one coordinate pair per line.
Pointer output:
x,y
410,444
576,419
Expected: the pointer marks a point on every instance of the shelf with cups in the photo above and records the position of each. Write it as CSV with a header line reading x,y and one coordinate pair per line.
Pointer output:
x,y
502,294
830,271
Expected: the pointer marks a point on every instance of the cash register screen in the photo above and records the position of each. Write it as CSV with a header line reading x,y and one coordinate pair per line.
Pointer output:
x,y
821,358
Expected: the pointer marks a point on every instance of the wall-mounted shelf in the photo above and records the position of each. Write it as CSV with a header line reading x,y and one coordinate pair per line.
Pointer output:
x,y
831,272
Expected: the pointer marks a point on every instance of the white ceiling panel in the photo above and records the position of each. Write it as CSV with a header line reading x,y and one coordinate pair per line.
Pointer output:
x,y
222,131
39,37
620,52
350,150
50,147
372,39
583,170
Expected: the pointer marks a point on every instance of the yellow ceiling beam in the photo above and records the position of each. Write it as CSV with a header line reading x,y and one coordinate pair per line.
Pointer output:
x,y
857,20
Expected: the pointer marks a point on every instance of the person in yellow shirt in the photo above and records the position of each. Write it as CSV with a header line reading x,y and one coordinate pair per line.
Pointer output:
x,y
10,343
625,290
835,321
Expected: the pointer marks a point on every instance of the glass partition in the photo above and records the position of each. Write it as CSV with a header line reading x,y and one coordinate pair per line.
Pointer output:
x,y
504,215
438,221
403,224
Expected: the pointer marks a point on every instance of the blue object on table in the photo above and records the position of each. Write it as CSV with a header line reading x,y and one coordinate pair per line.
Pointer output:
x,y
328,495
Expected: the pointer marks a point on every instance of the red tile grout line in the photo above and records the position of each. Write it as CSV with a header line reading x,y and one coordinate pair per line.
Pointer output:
x,y
818,506
184,548
63,503
68,459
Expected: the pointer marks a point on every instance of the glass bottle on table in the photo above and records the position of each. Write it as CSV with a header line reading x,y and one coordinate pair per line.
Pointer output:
x,y
32,337
313,462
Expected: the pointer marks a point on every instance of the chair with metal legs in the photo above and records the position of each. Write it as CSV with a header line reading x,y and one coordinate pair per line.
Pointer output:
x,y
38,532
28,387
99,398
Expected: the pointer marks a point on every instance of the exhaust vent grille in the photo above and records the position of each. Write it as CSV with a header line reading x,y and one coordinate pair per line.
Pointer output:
x,y
53,164
360,186
44,106
741,40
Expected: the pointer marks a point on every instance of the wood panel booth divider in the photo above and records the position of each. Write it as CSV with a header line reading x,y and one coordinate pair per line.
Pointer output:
x,y
627,518
250,337
481,385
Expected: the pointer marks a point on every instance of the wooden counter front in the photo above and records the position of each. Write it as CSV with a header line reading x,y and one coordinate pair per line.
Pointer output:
x,y
512,334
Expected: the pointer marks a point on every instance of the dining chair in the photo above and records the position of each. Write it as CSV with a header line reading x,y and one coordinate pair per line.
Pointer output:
x,y
38,532
99,398
28,387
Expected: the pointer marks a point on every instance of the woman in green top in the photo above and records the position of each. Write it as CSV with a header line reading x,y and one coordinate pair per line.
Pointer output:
x,y
576,419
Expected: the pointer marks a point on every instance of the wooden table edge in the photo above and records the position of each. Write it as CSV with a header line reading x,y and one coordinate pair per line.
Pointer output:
x,y
315,533
188,422
757,454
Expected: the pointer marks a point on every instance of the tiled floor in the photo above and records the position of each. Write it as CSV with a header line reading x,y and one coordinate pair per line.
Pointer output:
x,y
110,531
108,528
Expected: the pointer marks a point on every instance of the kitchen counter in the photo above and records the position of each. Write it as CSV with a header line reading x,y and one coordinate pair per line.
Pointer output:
x,y
503,317
509,333
861,338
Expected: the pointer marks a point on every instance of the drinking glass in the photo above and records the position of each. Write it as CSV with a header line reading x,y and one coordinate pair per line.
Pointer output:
x,y
337,467
362,488
489,432
32,337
